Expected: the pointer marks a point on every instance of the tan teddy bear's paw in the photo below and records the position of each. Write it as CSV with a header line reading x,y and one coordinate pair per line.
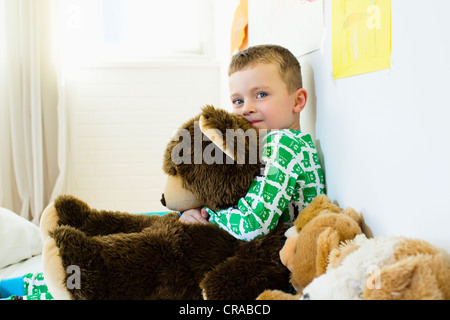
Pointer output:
x,y
55,275
49,221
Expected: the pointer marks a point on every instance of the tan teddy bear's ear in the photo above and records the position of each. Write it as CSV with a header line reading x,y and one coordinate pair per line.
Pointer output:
x,y
320,204
360,220
408,279
327,241
338,255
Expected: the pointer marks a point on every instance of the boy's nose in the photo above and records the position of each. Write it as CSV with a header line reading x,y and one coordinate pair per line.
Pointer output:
x,y
248,108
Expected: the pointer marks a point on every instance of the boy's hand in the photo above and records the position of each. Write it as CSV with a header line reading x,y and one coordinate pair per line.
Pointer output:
x,y
197,215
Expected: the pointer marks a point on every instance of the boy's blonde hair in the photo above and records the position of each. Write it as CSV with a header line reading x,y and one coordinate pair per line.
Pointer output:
x,y
287,64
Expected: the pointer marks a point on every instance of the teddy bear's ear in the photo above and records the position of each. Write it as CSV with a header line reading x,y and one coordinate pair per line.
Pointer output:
x,y
326,242
216,137
338,255
353,214
320,204
408,279
360,220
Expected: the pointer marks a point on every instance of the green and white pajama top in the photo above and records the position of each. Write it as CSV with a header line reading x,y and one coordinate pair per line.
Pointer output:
x,y
292,178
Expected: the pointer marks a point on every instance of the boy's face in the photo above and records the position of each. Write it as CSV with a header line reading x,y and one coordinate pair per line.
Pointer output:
x,y
259,94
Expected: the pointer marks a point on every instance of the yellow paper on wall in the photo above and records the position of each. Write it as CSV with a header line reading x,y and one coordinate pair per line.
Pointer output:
x,y
361,36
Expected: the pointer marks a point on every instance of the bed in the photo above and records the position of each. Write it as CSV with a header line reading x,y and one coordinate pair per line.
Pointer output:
x,y
20,246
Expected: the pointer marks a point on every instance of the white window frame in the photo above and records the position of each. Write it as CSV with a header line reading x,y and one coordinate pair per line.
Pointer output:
x,y
204,58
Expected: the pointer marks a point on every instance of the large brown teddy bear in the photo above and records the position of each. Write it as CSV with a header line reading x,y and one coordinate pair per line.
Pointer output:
x,y
92,254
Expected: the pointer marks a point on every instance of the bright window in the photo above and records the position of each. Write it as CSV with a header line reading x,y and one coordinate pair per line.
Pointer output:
x,y
134,30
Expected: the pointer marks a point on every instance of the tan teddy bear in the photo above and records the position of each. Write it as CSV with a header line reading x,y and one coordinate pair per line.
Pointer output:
x,y
335,257
321,227
384,268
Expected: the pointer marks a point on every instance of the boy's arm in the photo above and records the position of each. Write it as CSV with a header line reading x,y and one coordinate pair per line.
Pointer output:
x,y
259,211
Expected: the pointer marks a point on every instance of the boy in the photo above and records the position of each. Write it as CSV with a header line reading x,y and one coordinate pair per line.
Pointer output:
x,y
266,88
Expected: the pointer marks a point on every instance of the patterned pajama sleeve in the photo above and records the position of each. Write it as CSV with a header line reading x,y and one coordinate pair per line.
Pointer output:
x,y
31,286
292,178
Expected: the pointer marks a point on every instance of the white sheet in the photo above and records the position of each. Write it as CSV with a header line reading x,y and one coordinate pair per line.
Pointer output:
x,y
32,265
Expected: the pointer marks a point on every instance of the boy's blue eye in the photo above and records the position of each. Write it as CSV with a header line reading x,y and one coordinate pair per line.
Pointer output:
x,y
261,95
238,101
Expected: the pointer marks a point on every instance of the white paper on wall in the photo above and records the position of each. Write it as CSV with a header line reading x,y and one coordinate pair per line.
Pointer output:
x,y
297,25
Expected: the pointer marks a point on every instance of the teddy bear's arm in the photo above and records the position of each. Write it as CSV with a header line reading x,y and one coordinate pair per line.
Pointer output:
x,y
230,280
255,267
70,211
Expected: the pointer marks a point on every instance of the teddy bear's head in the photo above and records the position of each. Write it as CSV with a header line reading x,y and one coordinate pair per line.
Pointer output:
x,y
384,268
210,161
324,229
417,270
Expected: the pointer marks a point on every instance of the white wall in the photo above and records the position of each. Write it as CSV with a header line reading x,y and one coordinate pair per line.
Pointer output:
x,y
223,21
121,119
385,135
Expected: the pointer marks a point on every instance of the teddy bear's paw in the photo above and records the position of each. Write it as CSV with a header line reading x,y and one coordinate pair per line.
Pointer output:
x,y
54,272
75,243
72,211
204,295
74,258
49,221
277,295
66,210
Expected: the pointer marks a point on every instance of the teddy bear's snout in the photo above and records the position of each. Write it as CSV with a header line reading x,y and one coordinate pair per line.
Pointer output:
x,y
163,200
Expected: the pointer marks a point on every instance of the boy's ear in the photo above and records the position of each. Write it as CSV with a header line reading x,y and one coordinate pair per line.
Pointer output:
x,y
301,96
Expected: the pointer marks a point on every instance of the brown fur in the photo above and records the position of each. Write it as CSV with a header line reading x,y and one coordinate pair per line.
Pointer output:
x,y
233,179
129,256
